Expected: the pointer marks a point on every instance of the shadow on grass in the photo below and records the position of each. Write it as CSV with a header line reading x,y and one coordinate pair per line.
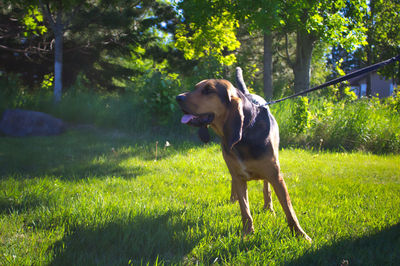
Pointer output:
x,y
381,248
8,205
81,153
140,240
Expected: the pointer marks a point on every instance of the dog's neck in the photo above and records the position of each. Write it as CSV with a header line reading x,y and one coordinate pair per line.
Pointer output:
x,y
218,124
249,111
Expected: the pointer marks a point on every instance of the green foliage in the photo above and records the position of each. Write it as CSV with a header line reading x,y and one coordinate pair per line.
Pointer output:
x,y
47,82
369,125
319,72
11,93
159,92
259,15
301,115
212,38
341,91
100,38
337,22
382,22
33,22
207,67
91,197
333,23
348,94
384,35
83,107
394,102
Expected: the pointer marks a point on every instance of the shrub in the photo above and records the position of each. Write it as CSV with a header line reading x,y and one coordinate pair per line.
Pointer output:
x,y
12,93
301,115
159,94
367,124
394,102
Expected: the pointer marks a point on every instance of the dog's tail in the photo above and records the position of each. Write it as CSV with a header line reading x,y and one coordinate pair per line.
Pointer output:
x,y
254,98
240,82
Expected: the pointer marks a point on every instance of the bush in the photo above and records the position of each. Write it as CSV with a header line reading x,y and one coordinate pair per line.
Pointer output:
x,y
368,124
159,94
394,102
12,93
301,115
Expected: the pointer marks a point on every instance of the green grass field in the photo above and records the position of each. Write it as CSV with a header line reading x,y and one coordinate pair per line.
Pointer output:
x,y
100,198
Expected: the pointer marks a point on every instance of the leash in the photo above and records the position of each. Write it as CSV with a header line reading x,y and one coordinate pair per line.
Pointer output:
x,y
340,79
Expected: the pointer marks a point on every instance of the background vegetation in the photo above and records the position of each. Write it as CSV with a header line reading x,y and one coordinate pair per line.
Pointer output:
x,y
318,123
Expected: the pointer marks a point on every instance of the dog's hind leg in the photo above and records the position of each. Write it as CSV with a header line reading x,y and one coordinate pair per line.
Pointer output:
x,y
283,195
234,196
268,197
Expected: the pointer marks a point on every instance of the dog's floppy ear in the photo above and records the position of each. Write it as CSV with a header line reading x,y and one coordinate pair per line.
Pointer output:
x,y
204,135
234,123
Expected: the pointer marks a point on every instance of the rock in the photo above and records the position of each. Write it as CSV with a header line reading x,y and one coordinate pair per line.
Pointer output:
x,y
21,123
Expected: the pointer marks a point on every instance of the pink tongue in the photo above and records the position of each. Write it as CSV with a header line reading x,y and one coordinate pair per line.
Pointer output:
x,y
186,118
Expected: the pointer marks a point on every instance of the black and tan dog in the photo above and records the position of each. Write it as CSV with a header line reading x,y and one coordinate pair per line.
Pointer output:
x,y
250,142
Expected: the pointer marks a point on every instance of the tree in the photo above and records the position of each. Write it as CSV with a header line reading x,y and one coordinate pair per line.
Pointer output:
x,y
261,16
383,41
24,46
258,16
102,43
334,22
383,36
59,15
214,37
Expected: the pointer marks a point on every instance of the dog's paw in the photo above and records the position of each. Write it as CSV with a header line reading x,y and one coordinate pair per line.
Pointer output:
x,y
270,209
304,236
234,198
248,230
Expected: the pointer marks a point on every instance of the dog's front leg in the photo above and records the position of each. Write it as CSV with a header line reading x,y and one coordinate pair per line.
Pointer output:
x,y
241,191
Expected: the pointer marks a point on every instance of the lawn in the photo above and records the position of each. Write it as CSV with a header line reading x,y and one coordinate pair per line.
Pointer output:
x,y
100,198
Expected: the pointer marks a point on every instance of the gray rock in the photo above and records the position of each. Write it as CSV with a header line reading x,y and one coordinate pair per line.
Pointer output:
x,y
21,123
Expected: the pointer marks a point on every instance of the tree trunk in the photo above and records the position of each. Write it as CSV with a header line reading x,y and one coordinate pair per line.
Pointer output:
x,y
267,74
369,48
58,58
302,66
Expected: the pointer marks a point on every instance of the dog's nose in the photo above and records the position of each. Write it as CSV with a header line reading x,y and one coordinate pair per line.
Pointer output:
x,y
180,98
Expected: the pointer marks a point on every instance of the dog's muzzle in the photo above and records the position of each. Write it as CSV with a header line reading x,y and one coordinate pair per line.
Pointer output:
x,y
197,120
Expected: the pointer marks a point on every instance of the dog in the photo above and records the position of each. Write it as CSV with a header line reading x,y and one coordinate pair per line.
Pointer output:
x,y
250,143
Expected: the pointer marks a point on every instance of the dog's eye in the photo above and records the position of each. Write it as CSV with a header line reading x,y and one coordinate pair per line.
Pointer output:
x,y
207,90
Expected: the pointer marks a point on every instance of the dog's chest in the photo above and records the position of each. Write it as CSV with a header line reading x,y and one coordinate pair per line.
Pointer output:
x,y
247,171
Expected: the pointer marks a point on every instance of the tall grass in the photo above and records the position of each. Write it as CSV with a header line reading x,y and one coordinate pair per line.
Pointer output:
x,y
125,112
368,124
365,124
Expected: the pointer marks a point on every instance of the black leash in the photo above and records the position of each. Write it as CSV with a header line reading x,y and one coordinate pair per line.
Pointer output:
x,y
340,79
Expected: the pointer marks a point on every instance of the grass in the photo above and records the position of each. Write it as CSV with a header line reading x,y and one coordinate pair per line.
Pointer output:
x,y
100,198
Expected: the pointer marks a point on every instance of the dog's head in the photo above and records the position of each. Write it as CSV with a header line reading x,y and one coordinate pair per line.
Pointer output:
x,y
216,103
